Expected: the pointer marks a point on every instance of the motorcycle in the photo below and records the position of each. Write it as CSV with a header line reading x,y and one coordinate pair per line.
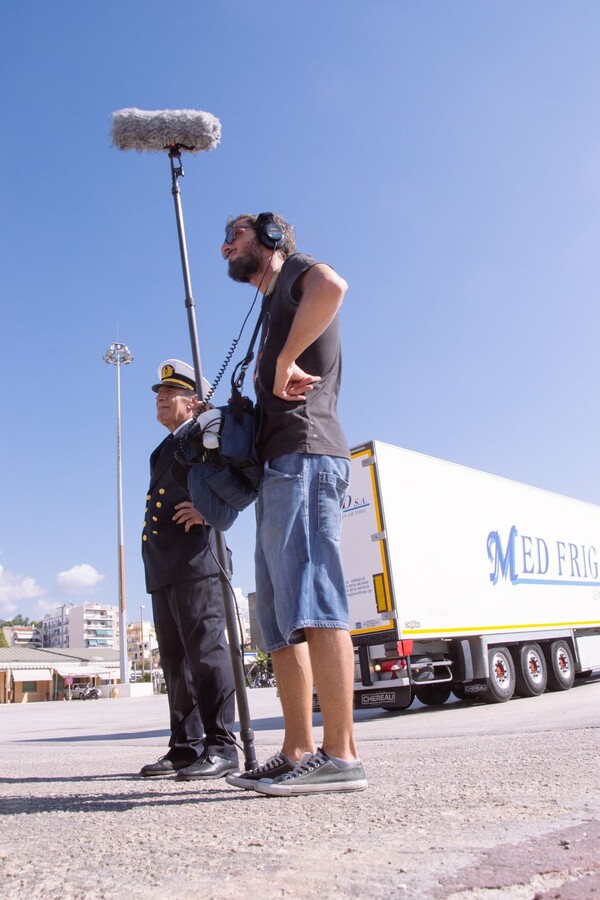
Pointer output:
x,y
264,679
86,692
90,693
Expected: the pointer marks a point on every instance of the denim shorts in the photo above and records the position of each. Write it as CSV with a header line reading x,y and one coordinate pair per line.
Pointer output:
x,y
299,578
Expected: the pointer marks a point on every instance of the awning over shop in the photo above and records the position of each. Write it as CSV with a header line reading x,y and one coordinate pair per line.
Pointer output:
x,y
81,672
32,675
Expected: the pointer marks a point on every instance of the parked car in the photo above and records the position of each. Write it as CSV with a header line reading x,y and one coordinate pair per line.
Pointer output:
x,y
84,692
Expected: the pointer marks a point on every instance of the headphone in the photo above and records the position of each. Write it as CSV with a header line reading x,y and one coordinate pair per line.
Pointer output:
x,y
269,233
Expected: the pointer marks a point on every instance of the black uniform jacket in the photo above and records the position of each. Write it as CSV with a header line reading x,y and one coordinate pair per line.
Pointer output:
x,y
170,555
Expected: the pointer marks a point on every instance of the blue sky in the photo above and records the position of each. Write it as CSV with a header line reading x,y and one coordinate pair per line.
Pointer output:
x,y
444,157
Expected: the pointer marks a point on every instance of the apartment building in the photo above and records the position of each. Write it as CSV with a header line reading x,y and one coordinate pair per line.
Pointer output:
x,y
22,635
141,645
83,627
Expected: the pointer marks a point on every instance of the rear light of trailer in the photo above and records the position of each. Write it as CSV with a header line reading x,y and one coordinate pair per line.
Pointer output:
x,y
389,668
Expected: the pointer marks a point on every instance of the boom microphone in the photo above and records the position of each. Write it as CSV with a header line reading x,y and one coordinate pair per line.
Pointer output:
x,y
175,130
164,129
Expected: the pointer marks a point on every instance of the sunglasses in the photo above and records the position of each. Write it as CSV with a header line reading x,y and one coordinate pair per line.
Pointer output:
x,y
232,230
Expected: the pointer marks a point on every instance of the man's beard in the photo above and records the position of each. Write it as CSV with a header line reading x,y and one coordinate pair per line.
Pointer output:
x,y
243,268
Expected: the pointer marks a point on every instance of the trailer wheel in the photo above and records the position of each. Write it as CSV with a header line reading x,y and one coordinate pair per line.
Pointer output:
x,y
561,666
531,671
433,694
501,681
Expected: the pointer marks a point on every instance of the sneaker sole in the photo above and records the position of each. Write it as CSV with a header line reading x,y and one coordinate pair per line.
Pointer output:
x,y
288,790
236,780
247,784
244,781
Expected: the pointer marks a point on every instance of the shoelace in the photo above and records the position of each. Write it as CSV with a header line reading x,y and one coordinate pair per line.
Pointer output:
x,y
302,768
271,763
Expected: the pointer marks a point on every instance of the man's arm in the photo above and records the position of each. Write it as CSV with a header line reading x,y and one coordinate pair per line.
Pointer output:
x,y
322,294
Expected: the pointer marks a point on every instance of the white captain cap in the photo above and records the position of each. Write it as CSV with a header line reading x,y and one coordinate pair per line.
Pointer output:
x,y
177,374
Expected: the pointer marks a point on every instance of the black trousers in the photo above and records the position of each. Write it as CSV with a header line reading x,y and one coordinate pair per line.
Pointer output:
x,y
190,628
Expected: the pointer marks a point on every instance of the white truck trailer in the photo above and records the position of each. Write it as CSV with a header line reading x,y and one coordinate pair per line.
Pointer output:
x,y
460,581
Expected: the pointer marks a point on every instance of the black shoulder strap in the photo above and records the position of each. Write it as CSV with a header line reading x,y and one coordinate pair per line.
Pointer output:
x,y
239,373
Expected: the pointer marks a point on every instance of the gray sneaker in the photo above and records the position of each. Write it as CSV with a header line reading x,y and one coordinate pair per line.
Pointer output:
x,y
276,765
315,775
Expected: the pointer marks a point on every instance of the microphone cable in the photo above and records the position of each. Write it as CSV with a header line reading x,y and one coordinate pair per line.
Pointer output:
x,y
228,356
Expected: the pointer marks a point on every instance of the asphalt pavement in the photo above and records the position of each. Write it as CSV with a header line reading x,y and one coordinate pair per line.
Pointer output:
x,y
463,801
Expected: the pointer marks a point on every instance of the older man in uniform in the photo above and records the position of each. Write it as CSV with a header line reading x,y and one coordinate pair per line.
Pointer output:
x,y
183,578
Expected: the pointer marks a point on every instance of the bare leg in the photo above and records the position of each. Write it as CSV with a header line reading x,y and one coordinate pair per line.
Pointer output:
x,y
332,658
293,673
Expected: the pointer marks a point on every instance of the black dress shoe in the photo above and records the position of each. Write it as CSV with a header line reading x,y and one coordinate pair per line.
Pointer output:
x,y
162,766
208,767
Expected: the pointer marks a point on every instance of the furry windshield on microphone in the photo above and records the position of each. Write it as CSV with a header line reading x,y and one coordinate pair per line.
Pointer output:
x,y
161,129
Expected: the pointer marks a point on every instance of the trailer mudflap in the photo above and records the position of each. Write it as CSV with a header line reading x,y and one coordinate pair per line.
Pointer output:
x,y
476,687
393,697
370,699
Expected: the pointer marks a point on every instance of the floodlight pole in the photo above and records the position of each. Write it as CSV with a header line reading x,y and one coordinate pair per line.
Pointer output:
x,y
118,355
142,608
237,662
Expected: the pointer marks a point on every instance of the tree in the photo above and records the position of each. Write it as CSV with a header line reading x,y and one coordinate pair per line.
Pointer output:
x,y
3,641
21,622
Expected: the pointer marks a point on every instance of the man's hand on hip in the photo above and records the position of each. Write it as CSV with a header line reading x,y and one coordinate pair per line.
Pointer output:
x,y
291,383
187,515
